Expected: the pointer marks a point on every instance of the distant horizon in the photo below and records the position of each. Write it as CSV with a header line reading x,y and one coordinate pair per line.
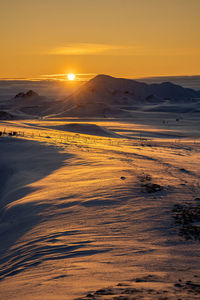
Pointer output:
x,y
63,77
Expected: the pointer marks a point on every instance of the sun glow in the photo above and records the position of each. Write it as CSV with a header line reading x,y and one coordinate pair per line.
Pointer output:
x,y
71,76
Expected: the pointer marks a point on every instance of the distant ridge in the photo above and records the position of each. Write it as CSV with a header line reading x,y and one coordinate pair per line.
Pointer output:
x,y
187,81
105,96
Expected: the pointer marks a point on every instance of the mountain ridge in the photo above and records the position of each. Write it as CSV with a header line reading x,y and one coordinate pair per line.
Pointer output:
x,y
121,93
104,96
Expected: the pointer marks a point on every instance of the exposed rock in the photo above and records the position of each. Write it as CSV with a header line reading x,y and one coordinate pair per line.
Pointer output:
x,y
187,216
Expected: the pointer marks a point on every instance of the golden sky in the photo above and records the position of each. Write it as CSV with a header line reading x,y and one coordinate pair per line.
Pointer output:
x,y
127,38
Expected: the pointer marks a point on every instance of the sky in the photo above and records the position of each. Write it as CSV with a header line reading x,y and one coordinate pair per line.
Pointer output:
x,y
124,38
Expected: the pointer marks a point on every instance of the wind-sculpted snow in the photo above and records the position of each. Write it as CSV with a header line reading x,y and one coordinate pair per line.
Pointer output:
x,y
92,216
22,163
31,254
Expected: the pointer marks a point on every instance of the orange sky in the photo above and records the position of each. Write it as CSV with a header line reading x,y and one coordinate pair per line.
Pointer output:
x,y
128,38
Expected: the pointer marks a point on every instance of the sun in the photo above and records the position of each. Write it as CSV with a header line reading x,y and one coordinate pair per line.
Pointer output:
x,y
71,76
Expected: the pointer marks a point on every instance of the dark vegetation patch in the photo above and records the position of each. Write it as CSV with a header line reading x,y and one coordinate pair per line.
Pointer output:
x,y
147,185
148,278
152,187
189,286
186,217
145,178
122,291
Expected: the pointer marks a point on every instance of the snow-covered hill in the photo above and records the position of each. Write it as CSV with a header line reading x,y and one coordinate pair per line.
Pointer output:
x,y
112,90
106,95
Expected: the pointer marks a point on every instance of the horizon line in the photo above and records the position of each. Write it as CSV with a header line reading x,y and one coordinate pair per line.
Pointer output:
x,y
55,77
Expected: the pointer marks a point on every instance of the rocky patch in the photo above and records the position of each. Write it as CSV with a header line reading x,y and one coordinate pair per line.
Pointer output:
x,y
183,290
187,218
147,185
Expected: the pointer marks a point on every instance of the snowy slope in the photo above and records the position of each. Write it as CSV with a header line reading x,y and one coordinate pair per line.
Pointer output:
x,y
80,215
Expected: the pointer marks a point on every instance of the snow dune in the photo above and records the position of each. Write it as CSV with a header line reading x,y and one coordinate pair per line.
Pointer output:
x,y
84,128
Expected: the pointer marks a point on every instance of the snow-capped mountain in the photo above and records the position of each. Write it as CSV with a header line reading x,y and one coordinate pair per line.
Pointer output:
x,y
106,95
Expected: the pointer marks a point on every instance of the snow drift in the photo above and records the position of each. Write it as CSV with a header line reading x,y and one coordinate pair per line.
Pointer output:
x,y
84,128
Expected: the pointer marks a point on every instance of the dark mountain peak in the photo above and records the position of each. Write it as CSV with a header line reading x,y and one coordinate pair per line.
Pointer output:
x,y
20,95
111,79
102,77
30,93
